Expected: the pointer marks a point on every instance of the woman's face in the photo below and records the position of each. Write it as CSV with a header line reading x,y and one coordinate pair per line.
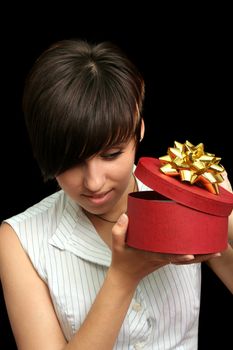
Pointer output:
x,y
100,184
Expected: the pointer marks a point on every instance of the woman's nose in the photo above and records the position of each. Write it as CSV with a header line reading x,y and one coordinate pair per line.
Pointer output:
x,y
94,177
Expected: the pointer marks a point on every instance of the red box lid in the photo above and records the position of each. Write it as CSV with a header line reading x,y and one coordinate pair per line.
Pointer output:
x,y
193,196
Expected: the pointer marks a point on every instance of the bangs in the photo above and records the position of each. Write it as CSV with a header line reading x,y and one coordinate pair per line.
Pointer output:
x,y
89,128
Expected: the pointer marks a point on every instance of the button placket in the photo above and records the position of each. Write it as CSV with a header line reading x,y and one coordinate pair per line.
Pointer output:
x,y
138,317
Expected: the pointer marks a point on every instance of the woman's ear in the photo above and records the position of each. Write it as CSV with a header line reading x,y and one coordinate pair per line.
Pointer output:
x,y
142,129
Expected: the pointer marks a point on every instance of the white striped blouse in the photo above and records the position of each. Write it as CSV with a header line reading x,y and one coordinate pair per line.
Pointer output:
x,y
71,258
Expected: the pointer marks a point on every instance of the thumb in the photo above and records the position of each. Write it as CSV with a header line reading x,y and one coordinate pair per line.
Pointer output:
x,y
119,231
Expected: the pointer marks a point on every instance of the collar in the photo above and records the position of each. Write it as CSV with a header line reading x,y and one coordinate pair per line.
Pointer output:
x,y
76,234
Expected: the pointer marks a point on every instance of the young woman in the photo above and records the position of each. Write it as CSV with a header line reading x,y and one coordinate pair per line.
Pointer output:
x,y
69,279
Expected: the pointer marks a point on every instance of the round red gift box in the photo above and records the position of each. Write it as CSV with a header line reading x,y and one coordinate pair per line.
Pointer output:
x,y
176,217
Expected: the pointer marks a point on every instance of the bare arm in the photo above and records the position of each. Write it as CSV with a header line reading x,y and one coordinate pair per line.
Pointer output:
x,y
29,307
223,266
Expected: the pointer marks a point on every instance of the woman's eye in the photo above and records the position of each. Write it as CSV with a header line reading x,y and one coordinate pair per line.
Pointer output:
x,y
111,155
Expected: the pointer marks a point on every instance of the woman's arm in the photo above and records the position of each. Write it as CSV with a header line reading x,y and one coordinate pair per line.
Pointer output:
x,y
31,312
28,302
223,266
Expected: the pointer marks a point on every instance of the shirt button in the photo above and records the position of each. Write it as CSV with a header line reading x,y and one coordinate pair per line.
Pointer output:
x,y
138,346
137,307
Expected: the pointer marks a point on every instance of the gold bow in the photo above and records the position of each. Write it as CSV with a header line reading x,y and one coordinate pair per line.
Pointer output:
x,y
194,165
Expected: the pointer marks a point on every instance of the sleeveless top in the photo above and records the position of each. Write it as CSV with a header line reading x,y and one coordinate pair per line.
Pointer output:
x,y
72,260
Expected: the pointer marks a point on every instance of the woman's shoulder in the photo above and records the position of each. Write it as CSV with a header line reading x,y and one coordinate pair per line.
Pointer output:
x,y
34,227
39,220
47,204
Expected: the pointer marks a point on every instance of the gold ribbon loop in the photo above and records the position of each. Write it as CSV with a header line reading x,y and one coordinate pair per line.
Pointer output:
x,y
194,165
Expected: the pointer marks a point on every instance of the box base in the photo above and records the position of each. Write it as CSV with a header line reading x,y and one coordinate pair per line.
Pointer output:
x,y
159,224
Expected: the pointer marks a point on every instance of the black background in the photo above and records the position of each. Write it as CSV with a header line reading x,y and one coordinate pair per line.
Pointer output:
x,y
186,59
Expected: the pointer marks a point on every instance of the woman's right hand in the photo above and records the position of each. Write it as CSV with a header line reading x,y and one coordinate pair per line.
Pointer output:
x,y
131,265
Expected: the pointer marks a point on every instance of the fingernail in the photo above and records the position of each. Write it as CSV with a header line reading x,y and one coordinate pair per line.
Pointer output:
x,y
189,257
217,254
122,219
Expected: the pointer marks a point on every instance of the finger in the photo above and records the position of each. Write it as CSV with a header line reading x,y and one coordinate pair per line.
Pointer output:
x,y
205,257
119,230
200,258
181,258
175,258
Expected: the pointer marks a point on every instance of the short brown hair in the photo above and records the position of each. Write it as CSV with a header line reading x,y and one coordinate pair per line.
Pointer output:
x,y
80,98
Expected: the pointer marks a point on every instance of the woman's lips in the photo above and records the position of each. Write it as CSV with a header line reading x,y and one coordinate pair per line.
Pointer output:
x,y
98,198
